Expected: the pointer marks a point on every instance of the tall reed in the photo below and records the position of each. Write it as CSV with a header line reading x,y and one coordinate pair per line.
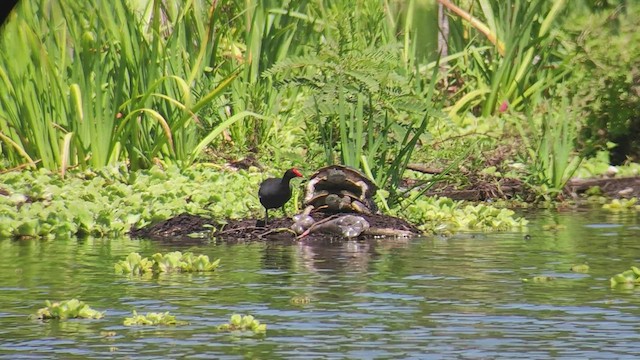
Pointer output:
x,y
101,82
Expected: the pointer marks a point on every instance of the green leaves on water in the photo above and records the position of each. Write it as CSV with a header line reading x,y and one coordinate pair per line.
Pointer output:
x,y
581,268
617,205
539,279
175,261
134,264
629,278
152,318
112,200
68,309
243,323
444,215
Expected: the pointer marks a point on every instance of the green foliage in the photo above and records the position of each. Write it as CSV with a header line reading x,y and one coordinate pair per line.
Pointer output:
x,y
175,261
243,323
539,279
152,318
101,83
605,82
517,77
266,32
617,205
364,106
581,268
628,278
442,215
110,201
68,309
187,262
134,264
551,153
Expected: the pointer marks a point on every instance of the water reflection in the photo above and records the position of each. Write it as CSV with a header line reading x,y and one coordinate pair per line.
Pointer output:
x,y
456,297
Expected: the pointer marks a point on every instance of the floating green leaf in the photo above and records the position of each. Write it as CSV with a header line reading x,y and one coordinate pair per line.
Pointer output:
x,y
134,264
243,323
68,309
582,268
617,205
152,318
626,278
169,262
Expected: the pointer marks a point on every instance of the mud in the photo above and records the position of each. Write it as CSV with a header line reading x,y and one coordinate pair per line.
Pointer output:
x,y
186,227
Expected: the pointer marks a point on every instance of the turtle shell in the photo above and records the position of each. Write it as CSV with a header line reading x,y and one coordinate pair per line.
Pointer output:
x,y
338,188
336,178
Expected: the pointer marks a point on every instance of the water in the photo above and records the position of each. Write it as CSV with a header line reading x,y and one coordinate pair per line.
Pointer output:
x,y
427,298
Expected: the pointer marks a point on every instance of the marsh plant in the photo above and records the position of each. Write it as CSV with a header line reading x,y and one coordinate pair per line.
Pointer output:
x,y
175,261
363,108
243,323
628,278
68,309
179,262
442,215
107,82
523,58
152,319
550,145
618,205
134,264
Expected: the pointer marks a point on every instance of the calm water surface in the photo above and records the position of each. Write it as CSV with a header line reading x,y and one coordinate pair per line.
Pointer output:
x,y
427,298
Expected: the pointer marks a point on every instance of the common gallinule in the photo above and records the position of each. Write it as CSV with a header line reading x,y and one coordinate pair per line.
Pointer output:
x,y
275,192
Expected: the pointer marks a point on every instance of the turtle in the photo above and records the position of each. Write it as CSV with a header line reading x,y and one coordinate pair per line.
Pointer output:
x,y
339,188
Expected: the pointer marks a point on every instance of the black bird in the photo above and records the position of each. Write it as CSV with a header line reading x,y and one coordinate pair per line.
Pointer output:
x,y
275,192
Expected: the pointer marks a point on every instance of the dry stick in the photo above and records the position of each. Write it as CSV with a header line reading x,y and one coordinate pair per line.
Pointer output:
x,y
278,230
308,231
237,229
476,24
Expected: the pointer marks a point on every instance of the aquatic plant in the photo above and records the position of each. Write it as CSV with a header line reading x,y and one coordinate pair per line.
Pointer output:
x,y
444,215
187,262
134,264
628,278
112,200
171,262
300,300
581,268
617,205
539,279
243,323
152,318
68,309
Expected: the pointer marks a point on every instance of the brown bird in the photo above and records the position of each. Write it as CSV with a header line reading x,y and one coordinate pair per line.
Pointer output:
x,y
275,192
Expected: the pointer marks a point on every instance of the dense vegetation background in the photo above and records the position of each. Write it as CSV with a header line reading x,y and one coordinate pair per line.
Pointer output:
x,y
530,89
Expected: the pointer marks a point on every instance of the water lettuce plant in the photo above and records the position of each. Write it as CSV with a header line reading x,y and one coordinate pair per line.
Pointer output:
x,y
243,323
443,215
111,200
617,205
175,261
68,309
134,264
187,262
580,268
628,278
539,279
152,318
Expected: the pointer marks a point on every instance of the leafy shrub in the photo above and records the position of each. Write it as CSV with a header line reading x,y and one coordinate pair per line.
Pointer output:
x,y
606,80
